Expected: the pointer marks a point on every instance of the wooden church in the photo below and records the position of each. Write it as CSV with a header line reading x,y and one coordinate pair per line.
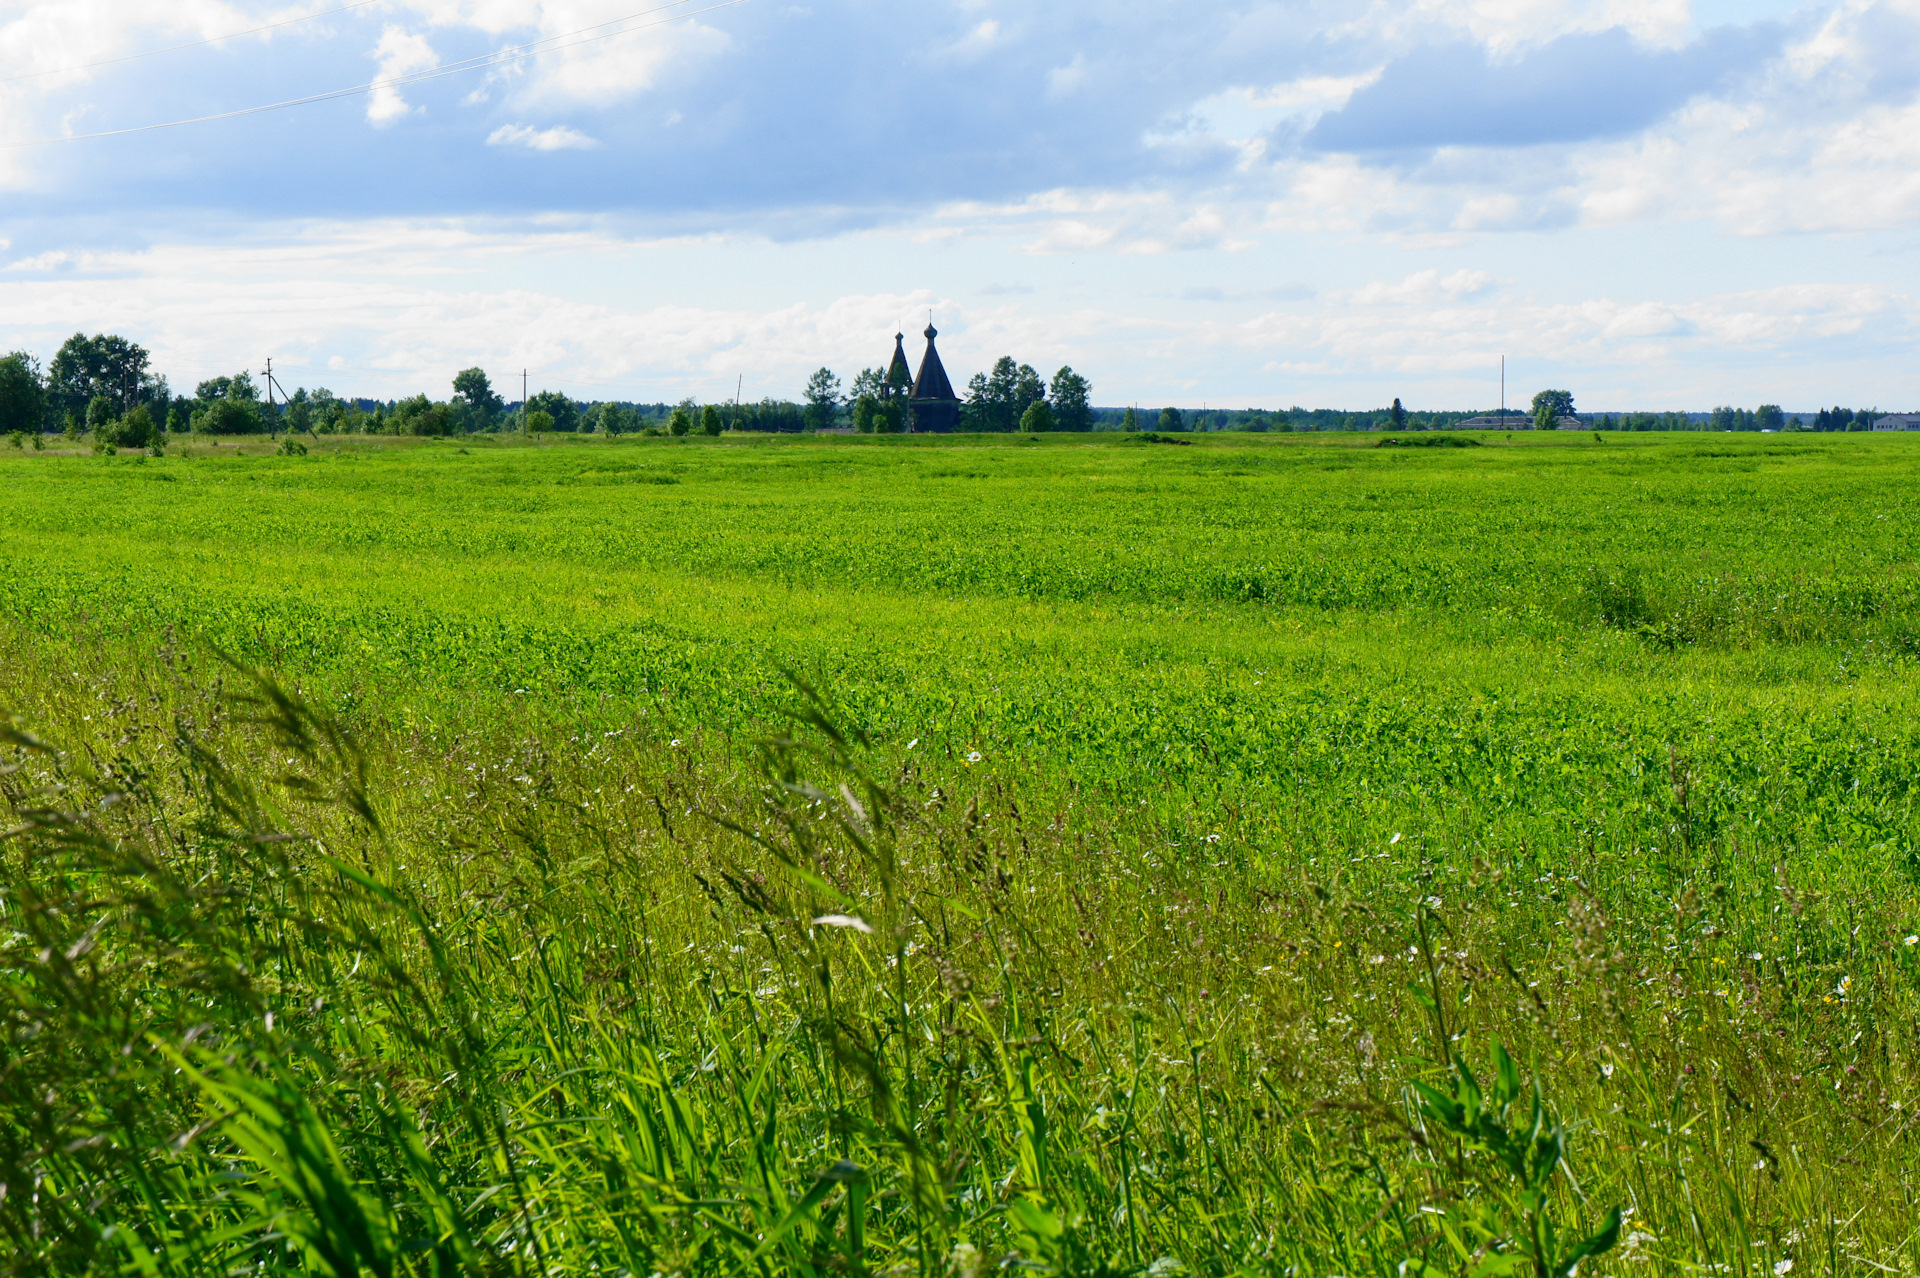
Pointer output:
x,y
932,407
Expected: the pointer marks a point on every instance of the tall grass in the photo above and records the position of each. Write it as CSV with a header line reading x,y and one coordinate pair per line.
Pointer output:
x,y
280,997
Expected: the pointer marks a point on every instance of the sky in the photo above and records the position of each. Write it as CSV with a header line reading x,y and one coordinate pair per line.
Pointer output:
x,y
1656,204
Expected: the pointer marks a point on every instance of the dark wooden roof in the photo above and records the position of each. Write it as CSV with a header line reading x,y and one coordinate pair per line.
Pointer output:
x,y
898,373
932,382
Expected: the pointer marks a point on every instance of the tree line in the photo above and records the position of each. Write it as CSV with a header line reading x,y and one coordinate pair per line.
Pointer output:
x,y
103,388
1010,397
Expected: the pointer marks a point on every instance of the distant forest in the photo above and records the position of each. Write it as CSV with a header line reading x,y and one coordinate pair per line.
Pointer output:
x,y
103,388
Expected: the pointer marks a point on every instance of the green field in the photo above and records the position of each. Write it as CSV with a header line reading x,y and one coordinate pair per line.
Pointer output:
x,y
1198,805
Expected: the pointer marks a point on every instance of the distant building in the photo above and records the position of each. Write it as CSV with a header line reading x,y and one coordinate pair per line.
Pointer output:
x,y
934,406
1515,420
1897,421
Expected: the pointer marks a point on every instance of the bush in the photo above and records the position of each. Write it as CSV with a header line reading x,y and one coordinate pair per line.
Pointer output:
x,y
1037,418
681,422
229,417
421,416
135,430
710,420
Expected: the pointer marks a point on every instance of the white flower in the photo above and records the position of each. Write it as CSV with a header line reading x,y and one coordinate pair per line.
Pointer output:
x,y
1782,1268
1913,940
973,756
966,1261
853,921
1394,839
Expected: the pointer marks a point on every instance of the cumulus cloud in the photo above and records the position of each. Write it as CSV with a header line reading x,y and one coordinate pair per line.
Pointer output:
x,y
992,143
557,138
399,53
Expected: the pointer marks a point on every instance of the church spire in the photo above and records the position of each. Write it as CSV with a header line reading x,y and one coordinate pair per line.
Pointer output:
x,y
935,406
899,375
932,382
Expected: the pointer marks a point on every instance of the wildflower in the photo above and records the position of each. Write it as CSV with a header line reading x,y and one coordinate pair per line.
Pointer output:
x,y
1913,940
973,756
966,1261
1783,1267
853,921
1395,838
1840,990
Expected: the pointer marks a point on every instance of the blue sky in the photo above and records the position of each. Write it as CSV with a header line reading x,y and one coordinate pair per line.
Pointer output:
x,y
1656,205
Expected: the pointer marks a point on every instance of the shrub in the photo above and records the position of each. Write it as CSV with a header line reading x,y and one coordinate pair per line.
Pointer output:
x,y
1038,418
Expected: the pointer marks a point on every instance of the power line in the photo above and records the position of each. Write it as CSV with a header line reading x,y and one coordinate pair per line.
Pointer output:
x,y
191,44
504,57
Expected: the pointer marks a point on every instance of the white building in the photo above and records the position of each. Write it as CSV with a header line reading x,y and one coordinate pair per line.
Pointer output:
x,y
1897,421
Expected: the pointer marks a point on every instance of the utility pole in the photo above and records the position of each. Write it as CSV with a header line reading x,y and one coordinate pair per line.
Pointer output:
x,y
271,433
272,384
523,403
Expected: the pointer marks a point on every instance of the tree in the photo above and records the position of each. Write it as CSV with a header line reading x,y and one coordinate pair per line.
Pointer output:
x,y
871,382
681,422
230,416
1130,420
104,364
239,386
539,421
1171,419
866,411
1549,406
176,421
300,412
1398,414
100,415
419,415
823,399
471,384
1037,419
564,413
135,430
23,394
1070,393
999,399
710,423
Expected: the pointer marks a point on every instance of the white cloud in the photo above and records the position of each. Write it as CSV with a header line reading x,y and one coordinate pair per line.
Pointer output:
x,y
1067,80
557,138
399,53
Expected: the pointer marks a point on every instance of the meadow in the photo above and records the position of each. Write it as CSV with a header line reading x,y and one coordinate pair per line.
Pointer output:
x,y
900,855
